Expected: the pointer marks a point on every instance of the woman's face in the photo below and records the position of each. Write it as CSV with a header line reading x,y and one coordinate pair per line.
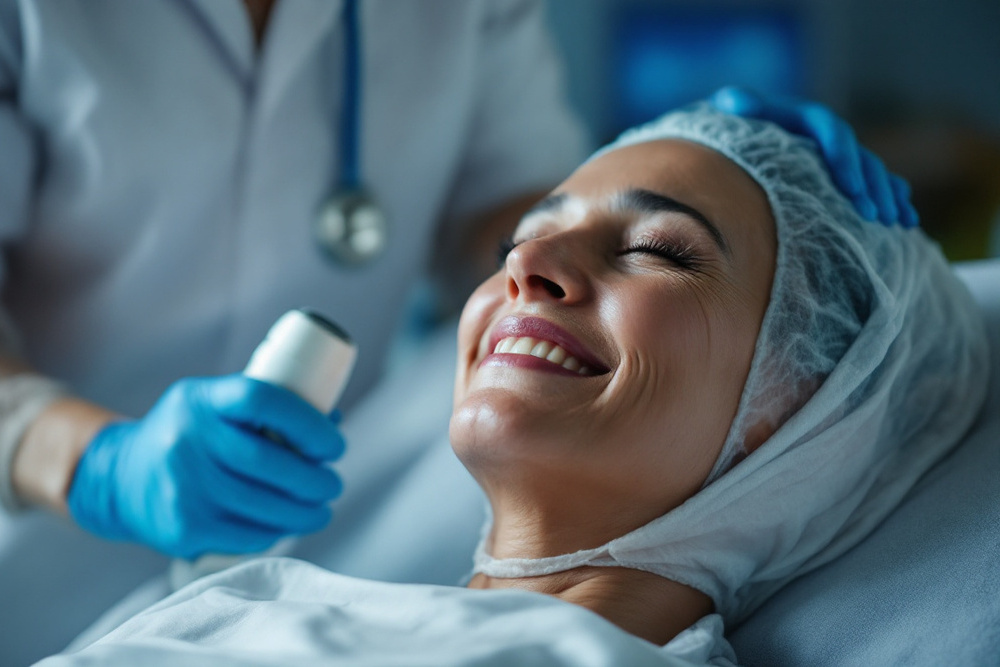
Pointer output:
x,y
600,368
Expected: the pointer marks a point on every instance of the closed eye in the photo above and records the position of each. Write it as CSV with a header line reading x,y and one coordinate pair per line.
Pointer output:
x,y
682,254
503,249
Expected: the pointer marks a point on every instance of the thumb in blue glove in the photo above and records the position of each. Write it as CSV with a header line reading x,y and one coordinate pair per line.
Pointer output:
x,y
197,475
859,173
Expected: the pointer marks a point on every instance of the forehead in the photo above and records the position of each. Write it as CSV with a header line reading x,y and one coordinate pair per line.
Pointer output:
x,y
671,166
688,172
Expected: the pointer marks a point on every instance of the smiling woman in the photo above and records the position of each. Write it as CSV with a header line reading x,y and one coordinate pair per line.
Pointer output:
x,y
655,303
608,356
696,375
694,295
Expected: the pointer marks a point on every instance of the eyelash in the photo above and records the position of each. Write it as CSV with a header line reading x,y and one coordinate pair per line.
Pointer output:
x,y
503,249
681,254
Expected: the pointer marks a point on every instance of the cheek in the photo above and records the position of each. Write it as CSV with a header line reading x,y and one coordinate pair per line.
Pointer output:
x,y
668,337
690,352
478,313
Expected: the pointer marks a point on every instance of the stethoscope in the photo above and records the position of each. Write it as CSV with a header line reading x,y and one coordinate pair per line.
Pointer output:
x,y
350,226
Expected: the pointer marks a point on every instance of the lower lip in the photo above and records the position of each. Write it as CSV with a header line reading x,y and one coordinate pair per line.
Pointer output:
x,y
529,362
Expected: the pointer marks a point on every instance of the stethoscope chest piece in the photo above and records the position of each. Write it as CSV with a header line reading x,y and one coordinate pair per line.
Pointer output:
x,y
351,228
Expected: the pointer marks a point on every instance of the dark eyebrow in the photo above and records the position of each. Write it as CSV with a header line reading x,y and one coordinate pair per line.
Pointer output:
x,y
645,201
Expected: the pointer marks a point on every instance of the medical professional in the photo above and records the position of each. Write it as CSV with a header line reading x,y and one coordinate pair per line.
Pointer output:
x,y
176,174
166,166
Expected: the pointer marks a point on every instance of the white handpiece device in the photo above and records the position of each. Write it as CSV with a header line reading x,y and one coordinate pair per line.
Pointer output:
x,y
309,355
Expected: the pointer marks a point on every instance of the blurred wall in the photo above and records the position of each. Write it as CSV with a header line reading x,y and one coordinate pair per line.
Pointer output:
x,y
927,57
918,79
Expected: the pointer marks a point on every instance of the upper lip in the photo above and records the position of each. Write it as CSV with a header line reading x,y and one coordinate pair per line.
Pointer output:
x,y
513,326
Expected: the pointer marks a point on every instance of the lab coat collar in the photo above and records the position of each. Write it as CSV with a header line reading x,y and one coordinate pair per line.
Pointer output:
x,y
295,29
227,22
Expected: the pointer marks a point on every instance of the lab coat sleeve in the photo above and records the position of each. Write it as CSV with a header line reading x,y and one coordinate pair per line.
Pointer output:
x,y
524,136
22,397
18,159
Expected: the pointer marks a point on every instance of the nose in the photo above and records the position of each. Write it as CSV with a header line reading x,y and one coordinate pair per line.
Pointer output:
x,y
549,268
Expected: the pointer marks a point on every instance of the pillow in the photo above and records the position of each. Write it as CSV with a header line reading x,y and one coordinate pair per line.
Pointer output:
x,y
924,588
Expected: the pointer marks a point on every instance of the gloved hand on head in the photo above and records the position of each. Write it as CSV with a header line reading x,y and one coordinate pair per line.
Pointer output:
x,y
859,173
197,474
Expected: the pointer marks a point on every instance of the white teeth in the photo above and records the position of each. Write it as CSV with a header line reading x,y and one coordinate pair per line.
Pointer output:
x,y
557,355
542,349
522,346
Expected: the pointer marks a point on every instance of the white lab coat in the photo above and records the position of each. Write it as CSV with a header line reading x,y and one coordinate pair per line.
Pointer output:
x,y
159,177
158,180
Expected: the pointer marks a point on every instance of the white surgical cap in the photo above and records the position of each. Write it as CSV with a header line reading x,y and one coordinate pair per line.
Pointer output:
x,y
871,363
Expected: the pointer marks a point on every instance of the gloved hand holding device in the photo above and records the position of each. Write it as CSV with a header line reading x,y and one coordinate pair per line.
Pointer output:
x,y
202,471
858,173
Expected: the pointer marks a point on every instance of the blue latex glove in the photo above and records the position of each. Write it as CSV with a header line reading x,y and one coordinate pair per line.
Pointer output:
x,y
859,173
195,475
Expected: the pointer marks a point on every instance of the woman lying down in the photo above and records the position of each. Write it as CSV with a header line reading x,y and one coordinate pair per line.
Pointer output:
x,y
697,375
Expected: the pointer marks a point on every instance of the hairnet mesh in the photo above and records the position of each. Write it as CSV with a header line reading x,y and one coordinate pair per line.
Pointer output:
x,y
870,365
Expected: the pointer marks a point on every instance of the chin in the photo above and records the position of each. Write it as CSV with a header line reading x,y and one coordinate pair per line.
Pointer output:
x,y
491,426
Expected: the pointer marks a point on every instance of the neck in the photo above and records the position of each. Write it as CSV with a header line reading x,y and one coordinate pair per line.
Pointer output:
x,y
543,514
535,518
641,603
260,13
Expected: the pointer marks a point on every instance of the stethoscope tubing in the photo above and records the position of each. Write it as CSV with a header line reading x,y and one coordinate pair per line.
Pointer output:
x,y
350,125
351,228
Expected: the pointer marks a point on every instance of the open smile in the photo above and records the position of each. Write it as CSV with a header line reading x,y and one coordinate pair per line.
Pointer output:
x,y
532,342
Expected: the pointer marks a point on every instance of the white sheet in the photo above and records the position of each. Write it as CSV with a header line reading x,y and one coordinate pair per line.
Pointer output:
x,y
280,611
